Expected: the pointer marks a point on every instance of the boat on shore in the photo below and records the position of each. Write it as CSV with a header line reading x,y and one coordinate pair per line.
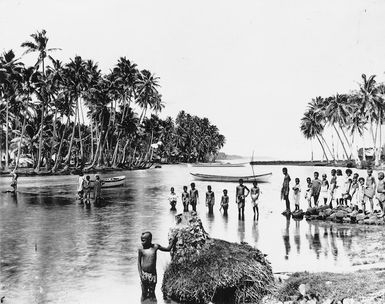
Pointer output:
x,y
110,182
217,165
261,178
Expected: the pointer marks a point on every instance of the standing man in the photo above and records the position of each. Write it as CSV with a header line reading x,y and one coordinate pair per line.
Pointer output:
x,y
285,189
240,198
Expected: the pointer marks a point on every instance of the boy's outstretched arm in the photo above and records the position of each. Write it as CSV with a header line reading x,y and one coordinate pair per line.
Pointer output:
x,y
168,248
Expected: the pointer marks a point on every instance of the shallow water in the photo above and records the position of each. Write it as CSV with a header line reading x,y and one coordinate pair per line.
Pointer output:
x,y
53,250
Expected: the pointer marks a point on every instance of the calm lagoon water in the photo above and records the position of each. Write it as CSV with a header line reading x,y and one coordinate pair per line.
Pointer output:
x,y
54,250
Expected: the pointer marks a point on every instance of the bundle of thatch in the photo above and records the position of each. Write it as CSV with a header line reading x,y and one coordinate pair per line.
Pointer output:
x,y
204,269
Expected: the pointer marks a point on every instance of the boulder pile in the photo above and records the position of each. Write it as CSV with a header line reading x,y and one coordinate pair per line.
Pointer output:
x,y
340,214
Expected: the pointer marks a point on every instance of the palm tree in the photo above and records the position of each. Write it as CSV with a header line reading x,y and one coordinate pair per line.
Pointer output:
x,y
312,128
39,45
27,86
10,67
337,113
147,84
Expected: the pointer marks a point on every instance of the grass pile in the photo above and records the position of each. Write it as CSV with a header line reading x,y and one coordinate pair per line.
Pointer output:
x,y
334,286
206,270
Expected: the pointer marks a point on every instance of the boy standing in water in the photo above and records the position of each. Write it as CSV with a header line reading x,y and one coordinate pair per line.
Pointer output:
x,y
254,193
14,181
172,198
210,199
194,196
147,264
97,188
286,188
87,187
185,199
224,202
240,198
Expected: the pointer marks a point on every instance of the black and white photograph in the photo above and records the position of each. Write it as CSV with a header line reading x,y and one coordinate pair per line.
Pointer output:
x,y
192,152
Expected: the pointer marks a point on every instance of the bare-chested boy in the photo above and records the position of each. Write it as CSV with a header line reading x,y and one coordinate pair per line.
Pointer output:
x,y
286,188
240,198
147,264
381,190
194,196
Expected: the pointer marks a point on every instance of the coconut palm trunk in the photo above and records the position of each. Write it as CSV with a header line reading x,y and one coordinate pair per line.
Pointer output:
x,y
323,148
342,143
6,135
68,157
20,142
58,154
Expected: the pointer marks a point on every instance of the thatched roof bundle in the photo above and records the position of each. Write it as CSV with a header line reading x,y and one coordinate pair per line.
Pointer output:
x,y
204,270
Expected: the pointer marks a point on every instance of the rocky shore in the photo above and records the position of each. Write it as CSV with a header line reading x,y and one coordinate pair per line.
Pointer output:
x,y
339,214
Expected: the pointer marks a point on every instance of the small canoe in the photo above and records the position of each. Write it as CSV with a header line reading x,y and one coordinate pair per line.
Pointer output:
x,y
261,178
111,181
217,165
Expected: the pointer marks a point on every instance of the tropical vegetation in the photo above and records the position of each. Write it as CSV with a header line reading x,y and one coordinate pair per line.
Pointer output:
x,y
347,121
58,116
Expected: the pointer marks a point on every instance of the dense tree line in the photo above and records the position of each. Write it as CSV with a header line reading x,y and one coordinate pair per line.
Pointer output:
x,y
61,115
353,116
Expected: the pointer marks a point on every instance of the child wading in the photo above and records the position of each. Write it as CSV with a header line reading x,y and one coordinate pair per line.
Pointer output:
x,y
240,198
172,198
296,194
185,199
254,193
194,196
224,202
210,199
14,181
147,264
87,188
97,188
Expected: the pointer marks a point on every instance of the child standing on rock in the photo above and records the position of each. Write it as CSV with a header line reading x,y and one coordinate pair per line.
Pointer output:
x,y
381,190
296,194
370,188
361,199
308,191
324,194
147,264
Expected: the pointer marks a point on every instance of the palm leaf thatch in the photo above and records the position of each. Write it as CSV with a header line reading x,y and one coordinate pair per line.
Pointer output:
x,y
205,269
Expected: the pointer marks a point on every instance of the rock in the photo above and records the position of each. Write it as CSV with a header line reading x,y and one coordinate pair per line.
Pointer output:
x,y
360,217
328,211
333,216
346,220
298,214
360,222
321,216
311,211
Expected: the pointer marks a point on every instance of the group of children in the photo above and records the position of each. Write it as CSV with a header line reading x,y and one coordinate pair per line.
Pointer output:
x,y
192,198
85,187
348,190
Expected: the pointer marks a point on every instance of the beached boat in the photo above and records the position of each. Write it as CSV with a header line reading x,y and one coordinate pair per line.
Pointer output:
x,y
217,165
261,178
111,181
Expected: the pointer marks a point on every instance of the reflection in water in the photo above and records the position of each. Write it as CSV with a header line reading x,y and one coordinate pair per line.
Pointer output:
x,y
255,231
297,236
50,244
286,237
241,230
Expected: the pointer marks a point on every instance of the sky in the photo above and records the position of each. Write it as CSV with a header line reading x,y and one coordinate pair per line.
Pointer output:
x,y
251,67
